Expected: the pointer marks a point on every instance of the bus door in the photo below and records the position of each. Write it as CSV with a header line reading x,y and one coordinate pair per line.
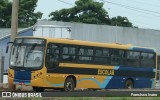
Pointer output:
x,y
52,62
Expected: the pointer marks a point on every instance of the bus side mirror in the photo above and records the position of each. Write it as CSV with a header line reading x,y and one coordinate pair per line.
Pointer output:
x,y
8,46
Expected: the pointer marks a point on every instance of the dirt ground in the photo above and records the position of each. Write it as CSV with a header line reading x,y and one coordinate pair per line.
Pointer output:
x,y
4,87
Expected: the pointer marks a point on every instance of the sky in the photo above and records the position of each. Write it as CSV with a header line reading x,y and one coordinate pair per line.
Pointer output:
x,y
142,13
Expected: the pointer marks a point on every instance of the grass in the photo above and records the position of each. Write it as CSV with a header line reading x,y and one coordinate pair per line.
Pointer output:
x,y
86,98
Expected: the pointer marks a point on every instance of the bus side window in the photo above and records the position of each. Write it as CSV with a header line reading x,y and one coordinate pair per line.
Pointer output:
x,y
147,59
133,58
68,53
52,55
118,57
102,56
85,55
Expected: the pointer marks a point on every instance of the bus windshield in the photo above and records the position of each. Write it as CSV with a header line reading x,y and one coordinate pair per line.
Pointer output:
x,y
27,53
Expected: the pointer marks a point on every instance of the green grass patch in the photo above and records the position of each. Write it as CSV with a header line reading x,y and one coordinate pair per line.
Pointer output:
x,y
86,98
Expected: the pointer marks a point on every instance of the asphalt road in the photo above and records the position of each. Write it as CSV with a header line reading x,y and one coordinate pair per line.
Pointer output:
x,y
27,91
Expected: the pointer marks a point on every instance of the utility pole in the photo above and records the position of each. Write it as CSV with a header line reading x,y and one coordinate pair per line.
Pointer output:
x,y
14,26
14,23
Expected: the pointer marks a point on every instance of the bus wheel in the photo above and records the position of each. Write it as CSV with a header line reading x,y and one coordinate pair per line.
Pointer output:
x,y
38,89
69,84
129,84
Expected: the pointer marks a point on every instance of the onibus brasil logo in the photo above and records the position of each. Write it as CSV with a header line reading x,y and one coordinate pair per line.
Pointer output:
x,y
19,94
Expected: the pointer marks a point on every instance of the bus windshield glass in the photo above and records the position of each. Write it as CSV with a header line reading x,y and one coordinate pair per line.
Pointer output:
x,y
27,53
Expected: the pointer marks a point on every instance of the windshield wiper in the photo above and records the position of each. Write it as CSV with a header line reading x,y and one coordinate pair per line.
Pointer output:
x,y
33,46
17,54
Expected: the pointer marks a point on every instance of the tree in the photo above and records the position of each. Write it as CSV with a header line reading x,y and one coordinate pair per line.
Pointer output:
x,y
5,13
88,11
27,17
121,21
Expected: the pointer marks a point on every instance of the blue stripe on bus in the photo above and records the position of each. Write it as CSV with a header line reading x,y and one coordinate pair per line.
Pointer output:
x,y
139,82
112,82
116,83
116,67
20,82
137,69
100,84
142,49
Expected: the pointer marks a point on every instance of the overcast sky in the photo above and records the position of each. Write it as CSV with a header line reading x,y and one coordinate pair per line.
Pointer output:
x,y
142,13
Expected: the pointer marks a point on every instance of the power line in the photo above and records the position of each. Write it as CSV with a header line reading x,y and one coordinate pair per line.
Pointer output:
x,y
142,12
144,25
130,7
66,2
137,10
141,22
140,2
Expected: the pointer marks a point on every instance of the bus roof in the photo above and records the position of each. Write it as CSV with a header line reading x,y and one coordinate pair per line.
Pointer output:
x,y
97,44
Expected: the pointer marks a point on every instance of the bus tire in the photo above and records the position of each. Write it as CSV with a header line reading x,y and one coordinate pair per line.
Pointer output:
x,y
129,84
69,84
38,89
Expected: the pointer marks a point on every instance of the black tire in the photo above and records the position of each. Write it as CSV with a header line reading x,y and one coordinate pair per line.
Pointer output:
x,y
69,84
38,89
129,84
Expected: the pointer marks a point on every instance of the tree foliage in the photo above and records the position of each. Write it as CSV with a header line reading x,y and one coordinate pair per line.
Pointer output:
x,y
5,13
88,11
27,17
120,21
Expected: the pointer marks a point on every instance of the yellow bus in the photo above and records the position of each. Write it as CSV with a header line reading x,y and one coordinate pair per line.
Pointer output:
x,y
71,64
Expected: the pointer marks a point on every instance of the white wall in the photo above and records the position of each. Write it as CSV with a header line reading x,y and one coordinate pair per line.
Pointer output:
x,y
111,34
52,31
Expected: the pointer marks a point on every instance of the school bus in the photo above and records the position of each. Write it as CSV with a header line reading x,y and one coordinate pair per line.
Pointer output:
x,y
68,64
